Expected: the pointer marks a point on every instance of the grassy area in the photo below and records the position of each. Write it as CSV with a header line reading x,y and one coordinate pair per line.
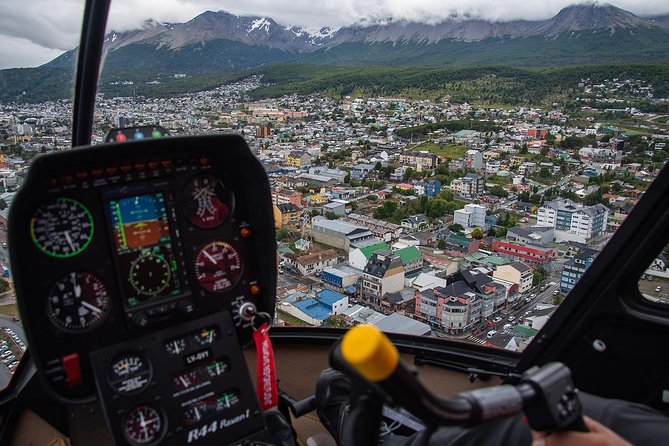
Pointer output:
x,y
291,320
494,179
447,151
9,309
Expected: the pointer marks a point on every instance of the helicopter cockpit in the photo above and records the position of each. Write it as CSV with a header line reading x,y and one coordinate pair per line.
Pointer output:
x,y
188,244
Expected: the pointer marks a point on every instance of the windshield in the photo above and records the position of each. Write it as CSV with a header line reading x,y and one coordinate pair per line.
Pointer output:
x,y
437,171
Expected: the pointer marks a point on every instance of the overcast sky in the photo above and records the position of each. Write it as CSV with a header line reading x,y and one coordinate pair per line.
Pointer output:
x,y
32,32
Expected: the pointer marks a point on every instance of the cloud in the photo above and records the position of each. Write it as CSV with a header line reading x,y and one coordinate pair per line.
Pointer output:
x,y
16,52
48,25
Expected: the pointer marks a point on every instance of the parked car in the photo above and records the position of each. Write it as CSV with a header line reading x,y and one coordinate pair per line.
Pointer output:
x,y
658,289
491,333
511,318
497,319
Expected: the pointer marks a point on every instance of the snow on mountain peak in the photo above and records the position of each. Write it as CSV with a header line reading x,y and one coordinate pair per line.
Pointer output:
x,y
262,23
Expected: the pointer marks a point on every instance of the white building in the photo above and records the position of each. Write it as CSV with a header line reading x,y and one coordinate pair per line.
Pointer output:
x,y
472,216
572,221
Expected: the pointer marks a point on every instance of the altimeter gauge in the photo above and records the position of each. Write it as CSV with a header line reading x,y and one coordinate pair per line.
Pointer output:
x,y
207,203
218,266
62,228
78,301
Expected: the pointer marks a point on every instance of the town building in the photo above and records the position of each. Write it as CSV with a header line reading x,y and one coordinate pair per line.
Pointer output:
x,y
531,235
469,186
383,274
517,273
432,188
473,159
360,171
572,221
290,214
472,216
421,161
311,264
528,253
574,268
337,234
460,246
381,229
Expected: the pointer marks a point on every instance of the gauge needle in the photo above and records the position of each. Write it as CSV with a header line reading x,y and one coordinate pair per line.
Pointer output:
x,y
183,381
69,240
209,256
90,306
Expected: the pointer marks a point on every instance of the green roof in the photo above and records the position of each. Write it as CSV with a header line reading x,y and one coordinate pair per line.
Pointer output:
x,y
408,254
525,330
459,239
367,251
286,250
477,256
497,260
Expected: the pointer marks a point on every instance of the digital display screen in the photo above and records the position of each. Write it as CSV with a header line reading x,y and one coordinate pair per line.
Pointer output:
x,y
144,247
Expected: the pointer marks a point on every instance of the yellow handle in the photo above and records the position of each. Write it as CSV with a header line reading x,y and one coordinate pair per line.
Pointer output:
x,y
370,352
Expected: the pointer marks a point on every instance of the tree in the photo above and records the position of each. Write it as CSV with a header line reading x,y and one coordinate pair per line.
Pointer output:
x,y
455,227
282,234
544,172
408,174
477,234
336,320
372,197
347,178
378,166
331,215
441,244
557,299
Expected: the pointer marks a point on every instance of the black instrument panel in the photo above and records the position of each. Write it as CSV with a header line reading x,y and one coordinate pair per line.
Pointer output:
x,y
115,242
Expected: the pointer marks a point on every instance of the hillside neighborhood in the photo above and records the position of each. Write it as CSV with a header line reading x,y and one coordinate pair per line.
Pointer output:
x,y
420,216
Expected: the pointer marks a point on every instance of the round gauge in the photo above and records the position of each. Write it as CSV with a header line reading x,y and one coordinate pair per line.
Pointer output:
x,y
207,202
78,301
149,274
175,346
62,228
143,425
129,373
218,266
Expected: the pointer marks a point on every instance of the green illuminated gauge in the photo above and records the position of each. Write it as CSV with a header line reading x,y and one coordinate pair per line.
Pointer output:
x,y
62,228
149,274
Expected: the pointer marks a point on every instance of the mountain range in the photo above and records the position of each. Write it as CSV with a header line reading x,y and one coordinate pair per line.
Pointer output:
x,y
219,41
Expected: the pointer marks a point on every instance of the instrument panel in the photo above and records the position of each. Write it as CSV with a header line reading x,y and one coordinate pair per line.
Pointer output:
x,y
118,245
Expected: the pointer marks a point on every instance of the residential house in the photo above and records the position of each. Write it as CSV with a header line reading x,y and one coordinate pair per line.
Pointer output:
x,y
360,171
459,246
517,273
298,159
359,257
311,264
383,274
416,222
290,214
421,161
411,259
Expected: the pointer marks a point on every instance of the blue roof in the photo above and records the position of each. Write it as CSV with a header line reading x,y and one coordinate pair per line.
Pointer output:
x,y
314,308
329,297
